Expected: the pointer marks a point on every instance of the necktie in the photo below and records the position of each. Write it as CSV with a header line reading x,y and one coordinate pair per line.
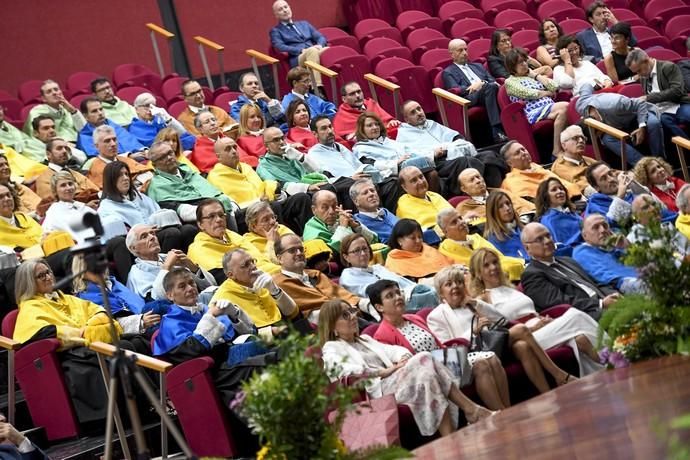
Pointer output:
x,y
470,74
294,27
583,283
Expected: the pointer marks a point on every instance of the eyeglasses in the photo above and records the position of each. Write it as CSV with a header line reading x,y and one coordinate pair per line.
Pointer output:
x,y
248,264
212,216
362,250
105,88
44,276
574,50
348,314
576,138
195,93
541,239
277,139
294,250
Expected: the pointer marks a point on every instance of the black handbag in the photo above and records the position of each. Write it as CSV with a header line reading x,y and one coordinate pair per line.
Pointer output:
x,y
490,338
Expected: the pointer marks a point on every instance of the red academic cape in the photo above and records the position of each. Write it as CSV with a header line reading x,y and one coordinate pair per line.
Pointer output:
x,y
345,121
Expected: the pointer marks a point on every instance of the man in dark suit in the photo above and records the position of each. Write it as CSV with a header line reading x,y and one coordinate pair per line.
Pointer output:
x,y
14,445
550,280
663,86
299,39
596,41
471,81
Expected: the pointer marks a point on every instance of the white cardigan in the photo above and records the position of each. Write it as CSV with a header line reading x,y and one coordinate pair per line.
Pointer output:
x,y
342,359
447,323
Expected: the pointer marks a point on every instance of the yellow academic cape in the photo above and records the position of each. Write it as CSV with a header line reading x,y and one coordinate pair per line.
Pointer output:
x,y
186,161
207,252
244,187
27,233
461,254
260,306
417,264
422,210
683,224
20,165
525,182
69,314
567,170
261,243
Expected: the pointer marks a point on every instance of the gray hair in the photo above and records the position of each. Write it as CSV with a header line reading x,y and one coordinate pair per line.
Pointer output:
x,y
452,272
133,236
441,217
253,211
506,147
100,132
635,56
682,201
570,132
197,117
354,188
227,257
144,99
25,280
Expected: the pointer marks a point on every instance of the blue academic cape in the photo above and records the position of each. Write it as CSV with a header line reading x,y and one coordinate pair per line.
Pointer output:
x,y
564,226
604,266
146,132
511,247
317,106
384,226
126,142
120,297
179,324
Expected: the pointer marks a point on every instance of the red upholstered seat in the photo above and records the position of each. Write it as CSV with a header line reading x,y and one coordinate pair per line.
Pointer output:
x,y
664,54
471,29
422,40
515,20
492,7
358,10
410,20
678,30
518,128
573,26
658,12
30,91
224,100
381,47
629,16
648,37
367,29
336,36
560,10
455,10
350,66
413,80
80,83
528,39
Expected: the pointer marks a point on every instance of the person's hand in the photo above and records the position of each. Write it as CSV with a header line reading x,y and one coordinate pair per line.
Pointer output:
x,y
610,299
607,83
544,94
149,319
315,187
345,218
393,123
403,158
186,262
439,152
265,281
624,180
139,156
261,96
65,104
482,322
10,433
172,259
476,86
565,56
93,204
272,234
471,215
277,330
360,175
638,135
223,307
298,146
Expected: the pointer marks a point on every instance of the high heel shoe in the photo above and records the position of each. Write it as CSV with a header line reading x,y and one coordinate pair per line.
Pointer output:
x,y
478,414
568,378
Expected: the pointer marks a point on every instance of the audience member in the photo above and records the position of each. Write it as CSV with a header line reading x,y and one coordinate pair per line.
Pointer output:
x,y
21,142
14,445
58,155
195,97
596,41
550,280
170,135
418,202
473,185
298,122
250,139
549,33
150,120
28,200
95,117
115,109
410,256
503,226
252,93
24,169
106,142
299,80
557,213
203,154
572,163
501,45
683,205
353,105
617,70
645,210
263,227
68,120
573,71
471,81
657,175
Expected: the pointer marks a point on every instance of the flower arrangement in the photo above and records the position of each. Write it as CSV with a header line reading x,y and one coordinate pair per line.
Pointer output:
x,y
640,327
286,406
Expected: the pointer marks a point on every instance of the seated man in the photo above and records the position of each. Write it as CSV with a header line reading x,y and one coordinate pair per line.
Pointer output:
x,y
418,202
150,120
175,186
68,120
596,40
203,155
525,176
331,223
626,114
299,39
471,81
194,97
106,143
150,266
572,163
663,85
459,244
214,240
299,79
115,109
253,94
683,204
263,227
244,186
58,153
44,131
95,117
602,263
614,194
549,280
14,445
354,104
473,185
450,152
255,293
21,142
308,288
646,210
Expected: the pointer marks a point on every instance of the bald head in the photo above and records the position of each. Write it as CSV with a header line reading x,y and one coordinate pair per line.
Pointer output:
x,y
458,51
274,140
645,209
414,113
412,180
226,151
471,182
538,242
324,205
596,230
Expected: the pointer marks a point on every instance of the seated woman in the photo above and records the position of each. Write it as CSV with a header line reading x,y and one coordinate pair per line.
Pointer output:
x,y
410,256
573,71
151,120
452,319
503,227
121,201
171,136
537,92
411,332
549,33
615,61
28,199
557,213
357,256
574,328
501,44
657,175
251,139
417,381
299,131
264,229
46,313
373,146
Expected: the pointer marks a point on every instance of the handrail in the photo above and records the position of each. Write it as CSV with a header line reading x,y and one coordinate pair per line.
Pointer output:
x,y
682,143
326,72
387,85
598,126
155,29
143,360
464,104
202,41
11,346
273,62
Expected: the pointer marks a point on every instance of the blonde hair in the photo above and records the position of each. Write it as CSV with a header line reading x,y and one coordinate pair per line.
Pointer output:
x,y
62,175
329,313
245,113
640,169
477,286
454,272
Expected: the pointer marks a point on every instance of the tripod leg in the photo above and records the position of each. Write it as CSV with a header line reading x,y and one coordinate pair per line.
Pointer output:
x,y
113,413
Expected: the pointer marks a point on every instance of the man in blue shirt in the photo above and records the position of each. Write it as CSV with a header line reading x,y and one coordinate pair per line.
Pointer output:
x,y
253,94
299,80
92,110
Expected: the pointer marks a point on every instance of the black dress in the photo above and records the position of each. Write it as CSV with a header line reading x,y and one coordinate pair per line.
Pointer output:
x,y
621,69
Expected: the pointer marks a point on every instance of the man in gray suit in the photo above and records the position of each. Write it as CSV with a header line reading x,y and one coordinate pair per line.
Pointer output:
x,y
626,114
663,86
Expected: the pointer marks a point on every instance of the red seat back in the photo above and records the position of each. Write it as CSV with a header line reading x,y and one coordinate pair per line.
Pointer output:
x,y
370,330
358,10
13,108
515,20
30,91
560,10
629,16
349,65
381,47
573,26
478,50
80,83
401,6
456,10
338,37
413,20
129,93
223,100
413,80
664,54
171,89
527,39
471,29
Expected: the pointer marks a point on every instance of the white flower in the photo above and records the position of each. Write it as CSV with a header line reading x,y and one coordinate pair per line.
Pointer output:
x,y
656,244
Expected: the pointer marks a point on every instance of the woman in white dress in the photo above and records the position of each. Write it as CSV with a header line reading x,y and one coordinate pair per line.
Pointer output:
x,y
66,209
453,319
418,381
574,328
